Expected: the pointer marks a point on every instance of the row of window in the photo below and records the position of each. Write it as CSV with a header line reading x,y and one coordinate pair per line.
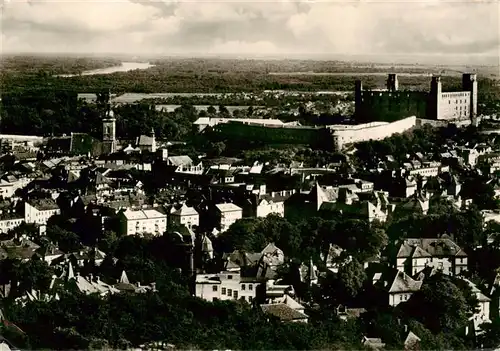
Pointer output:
x,y
404,297
215,288
157,220
244,298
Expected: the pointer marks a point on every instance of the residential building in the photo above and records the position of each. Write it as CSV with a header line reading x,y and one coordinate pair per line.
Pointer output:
x,y
396,286
147,142
226,286
227,214
416,254
482,315
151,221
184,164
40,210
184,215
271,204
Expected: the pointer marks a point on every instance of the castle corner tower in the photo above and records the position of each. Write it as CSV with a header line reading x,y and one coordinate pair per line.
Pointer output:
x,y
392,82
435,98
469,84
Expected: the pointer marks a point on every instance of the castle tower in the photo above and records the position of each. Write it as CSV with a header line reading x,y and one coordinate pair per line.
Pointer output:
x,y
435,98
392,82
358,98
469,83
109,131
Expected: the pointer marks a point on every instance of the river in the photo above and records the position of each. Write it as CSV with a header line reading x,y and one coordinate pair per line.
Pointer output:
x,y
124,67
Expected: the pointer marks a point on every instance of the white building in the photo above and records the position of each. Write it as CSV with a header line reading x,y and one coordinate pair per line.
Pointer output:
x,y
185,215
350,134
226,286
228,214
416,254
483,313
39,211
271,204
204,122
9,184
9,221
143,221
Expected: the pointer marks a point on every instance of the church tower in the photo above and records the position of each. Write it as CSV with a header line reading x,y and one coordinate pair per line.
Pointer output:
x,y
153,141
109,131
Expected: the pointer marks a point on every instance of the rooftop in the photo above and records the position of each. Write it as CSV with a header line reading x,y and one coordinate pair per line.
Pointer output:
x,y
142,214
229,207
43,204
284,312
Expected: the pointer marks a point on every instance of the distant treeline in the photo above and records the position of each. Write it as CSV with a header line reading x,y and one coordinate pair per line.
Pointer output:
x,y
56,113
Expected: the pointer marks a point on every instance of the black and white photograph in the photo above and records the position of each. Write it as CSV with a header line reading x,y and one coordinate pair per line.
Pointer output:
x,y
249,175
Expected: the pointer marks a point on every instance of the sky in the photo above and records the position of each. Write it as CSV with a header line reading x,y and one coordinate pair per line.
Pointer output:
x,y
244,28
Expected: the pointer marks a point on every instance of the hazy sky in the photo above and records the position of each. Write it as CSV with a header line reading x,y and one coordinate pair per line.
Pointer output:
x,y
460,27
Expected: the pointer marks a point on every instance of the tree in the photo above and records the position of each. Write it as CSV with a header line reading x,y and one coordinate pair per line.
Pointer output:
x,y
441,305
491,336
352,276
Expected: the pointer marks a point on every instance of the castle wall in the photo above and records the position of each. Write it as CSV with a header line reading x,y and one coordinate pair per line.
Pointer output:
x,y
370,131
454,105
390,106
270,134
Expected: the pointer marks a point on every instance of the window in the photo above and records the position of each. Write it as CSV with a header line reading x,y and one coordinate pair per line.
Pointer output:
x,y
214,288
400,297
223,291
235,294
242,286
229,277
250,286
250,298
229,292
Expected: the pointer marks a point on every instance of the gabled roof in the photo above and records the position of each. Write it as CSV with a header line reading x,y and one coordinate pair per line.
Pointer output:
x,y
145,140
411,339
270,248
404,283
284,312
320,194
228,207
432,247
206,244
180,160
184,210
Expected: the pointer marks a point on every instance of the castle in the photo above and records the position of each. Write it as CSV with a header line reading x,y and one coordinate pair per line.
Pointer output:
x,y
392,104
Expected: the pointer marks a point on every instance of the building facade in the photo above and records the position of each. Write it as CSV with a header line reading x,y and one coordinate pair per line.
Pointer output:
x,y
226,286
228,214
185,215
416,254
143,221
39,212
392,104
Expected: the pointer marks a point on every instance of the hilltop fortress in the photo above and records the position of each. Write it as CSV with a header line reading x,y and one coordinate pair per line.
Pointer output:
x,y
391,104
378,115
